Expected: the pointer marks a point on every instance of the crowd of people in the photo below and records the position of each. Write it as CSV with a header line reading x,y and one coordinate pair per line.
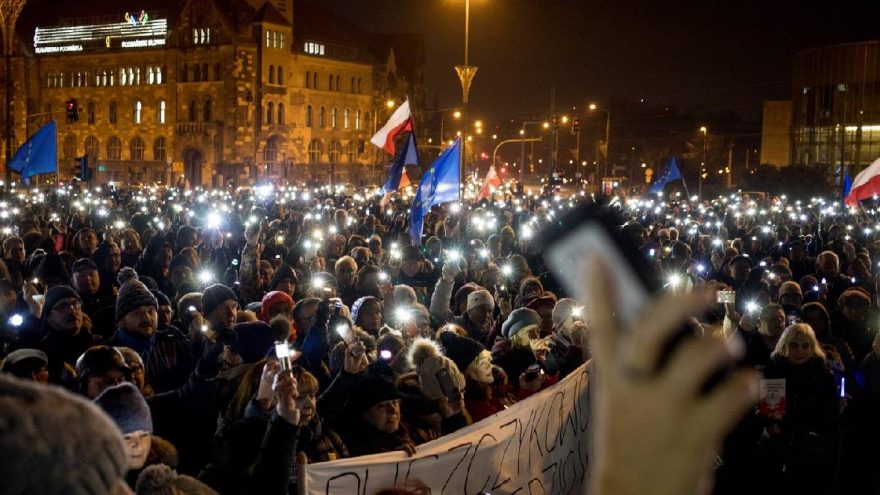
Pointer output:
x,y
171,311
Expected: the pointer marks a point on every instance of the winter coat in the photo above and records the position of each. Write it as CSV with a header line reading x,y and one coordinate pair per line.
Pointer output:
x,y
482,400
422,416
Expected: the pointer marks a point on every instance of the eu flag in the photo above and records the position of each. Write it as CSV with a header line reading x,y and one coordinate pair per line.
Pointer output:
x,y
39,155
669,174
440,184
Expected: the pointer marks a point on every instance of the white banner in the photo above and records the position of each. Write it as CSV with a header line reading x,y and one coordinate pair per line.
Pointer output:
x,y
537,446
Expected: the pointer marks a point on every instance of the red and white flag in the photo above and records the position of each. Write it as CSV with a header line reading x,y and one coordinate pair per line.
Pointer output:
x,y
866,185
401,120
490,183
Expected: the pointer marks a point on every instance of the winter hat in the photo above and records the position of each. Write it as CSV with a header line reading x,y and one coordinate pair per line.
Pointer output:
x,y
566,308
82,264
52,441
127,407
369,391
427,360
56,294
255,339
99,360
132,295
461,350
790,287
51,268
161,298
23,362
214,295
271,300
160,479
356,307
479,298
545,300
519,319
281,273
461,295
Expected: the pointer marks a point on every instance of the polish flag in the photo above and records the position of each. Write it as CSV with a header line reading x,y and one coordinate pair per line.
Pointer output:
x,y
865,186
491,182
401,120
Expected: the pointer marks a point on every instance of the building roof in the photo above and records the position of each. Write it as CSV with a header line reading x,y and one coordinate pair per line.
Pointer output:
x,y
268,13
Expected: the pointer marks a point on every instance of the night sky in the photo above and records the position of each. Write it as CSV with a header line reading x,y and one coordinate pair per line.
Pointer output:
x,y
711,55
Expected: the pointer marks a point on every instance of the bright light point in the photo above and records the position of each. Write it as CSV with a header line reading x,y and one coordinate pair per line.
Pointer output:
x,y
403,315
317,282
674,280
385,354
206,277
213,220
16,320
507,270
751,306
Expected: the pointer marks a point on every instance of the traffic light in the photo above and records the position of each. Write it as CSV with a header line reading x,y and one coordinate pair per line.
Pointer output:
x,y
575,126
72,112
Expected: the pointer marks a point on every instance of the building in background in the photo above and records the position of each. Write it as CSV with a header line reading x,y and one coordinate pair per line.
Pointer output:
x,y
776,133
210,91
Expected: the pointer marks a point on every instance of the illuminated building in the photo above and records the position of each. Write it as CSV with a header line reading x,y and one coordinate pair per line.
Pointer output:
x,y
210,91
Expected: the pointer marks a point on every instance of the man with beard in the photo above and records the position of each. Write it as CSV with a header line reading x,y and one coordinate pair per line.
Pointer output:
x,y
220,306
167,356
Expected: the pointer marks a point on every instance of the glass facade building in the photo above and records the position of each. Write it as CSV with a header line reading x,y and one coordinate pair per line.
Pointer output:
x,y
836,107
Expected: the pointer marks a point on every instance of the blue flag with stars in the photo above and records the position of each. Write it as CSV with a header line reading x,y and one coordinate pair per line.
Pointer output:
x,y
39,155
440,184
669,174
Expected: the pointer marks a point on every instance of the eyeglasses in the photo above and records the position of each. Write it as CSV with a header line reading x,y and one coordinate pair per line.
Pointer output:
x,y
803,345
62,307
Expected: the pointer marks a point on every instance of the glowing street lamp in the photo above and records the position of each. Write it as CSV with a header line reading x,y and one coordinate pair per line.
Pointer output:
x,y
593,107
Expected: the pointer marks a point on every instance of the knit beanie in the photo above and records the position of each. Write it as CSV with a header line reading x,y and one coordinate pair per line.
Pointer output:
x,y
127,407
52,441
479,298
271,300
215,295
255,339
461,295
461,350
132,295
519,319
55,294
281,273
369,391
356,307
159,479
427,360
161,298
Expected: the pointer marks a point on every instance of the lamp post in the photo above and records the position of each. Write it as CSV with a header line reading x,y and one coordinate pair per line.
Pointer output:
x,y
9,12
466,75
522,149
455,114
593,106
705,132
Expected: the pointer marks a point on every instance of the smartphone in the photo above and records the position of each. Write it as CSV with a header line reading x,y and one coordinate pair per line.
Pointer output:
x,y
589,234
282,351
447,385
357,349
725,297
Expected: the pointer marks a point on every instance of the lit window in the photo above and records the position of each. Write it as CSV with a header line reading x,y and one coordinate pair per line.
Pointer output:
x,y
357,119
159,152
136,148
268,39
345,118
334,117
138,109
151,76
123,77
162,111
322,118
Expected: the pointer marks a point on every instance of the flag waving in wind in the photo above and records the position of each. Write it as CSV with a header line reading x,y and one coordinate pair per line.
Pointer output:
x,y
401,120
865,185
669,174
397,178
440,184
39,155
491,182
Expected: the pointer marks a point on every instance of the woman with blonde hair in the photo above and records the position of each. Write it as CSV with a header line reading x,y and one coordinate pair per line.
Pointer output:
x,y
800,444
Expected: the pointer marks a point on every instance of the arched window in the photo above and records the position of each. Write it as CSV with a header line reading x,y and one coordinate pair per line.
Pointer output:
x,y
309,116
270,112
92,147
352,153
137,75
322,118
270,153
161,114
90,112
114,148
308,83
334,117
346,115
69,147
335,151
357,119
271,74
338,87
159,153
208,110
281,114
359,85
184,73
193,110
197,73
218,71
136,148
280,75
315,150
205,76
138,111
315,80
330,82
112,113
352,87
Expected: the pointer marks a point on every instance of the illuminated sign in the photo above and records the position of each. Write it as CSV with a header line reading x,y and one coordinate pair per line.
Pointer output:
x,y
137,31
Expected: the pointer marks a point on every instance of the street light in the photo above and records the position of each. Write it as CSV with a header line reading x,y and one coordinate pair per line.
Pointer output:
x,y
522,150
594,107
456,115
705,132
465,73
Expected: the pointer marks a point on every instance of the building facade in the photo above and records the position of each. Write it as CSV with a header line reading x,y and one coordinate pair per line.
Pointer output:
x,y
836,107
206,91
